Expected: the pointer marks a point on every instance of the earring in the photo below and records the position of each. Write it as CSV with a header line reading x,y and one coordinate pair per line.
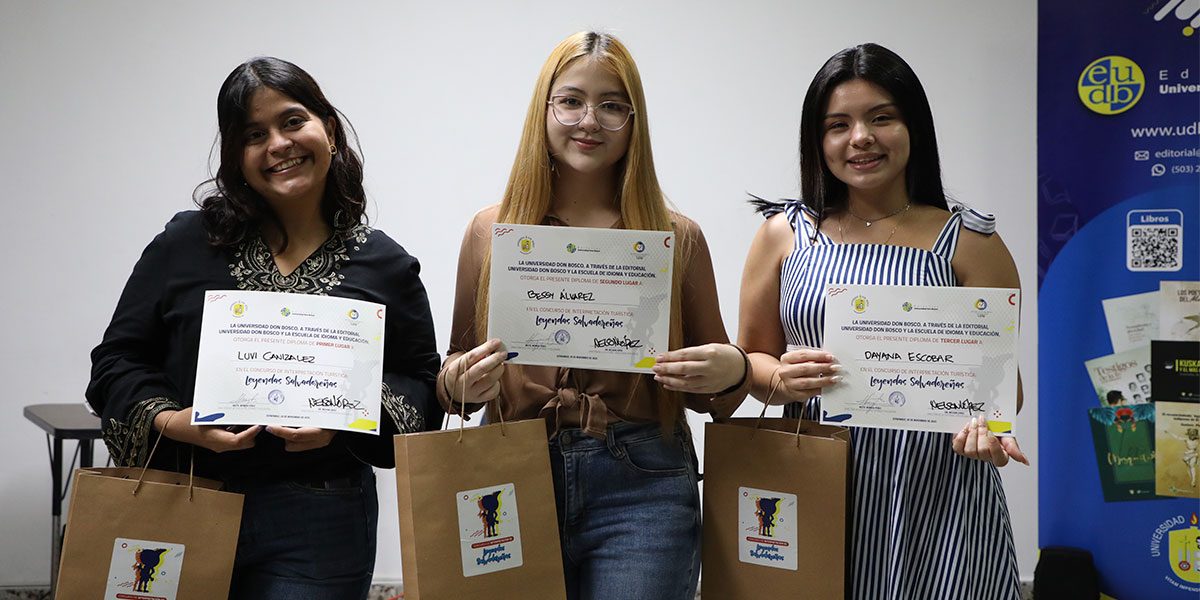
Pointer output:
x,y
332,149
340,220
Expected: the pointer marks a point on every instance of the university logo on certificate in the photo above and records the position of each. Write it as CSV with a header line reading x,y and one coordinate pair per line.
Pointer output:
x,y
581,297
922,358
269,358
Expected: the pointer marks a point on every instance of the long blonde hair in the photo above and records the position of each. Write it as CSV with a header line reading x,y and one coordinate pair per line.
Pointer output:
x,y
527,198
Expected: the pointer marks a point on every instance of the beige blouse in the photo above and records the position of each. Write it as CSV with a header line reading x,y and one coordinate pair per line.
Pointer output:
x,y
572,397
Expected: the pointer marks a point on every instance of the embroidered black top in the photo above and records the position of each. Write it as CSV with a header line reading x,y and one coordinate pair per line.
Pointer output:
x,y
147,360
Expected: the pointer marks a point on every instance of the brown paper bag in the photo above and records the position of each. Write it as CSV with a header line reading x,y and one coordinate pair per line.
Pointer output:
x,y
164,538
477,514
775,509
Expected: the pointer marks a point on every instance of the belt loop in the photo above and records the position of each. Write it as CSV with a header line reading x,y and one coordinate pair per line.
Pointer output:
x,y
615,447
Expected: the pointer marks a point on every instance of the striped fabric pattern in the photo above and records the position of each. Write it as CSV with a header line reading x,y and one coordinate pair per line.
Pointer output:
x,y
924,521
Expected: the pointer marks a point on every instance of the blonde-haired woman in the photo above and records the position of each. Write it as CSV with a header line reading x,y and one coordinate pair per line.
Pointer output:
x,y
624,468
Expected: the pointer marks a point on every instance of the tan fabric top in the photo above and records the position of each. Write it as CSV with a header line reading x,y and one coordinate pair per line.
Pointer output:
x,y
585,398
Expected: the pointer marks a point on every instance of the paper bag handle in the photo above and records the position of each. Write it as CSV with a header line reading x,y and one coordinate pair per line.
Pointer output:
x,y
463,411
191,461
763,412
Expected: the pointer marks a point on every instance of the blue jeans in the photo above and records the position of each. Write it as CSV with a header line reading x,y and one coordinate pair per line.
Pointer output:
x,y
628,513
306,541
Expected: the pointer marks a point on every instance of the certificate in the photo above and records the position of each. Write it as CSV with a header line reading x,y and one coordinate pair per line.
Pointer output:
x,y
269,358
581,297
922,358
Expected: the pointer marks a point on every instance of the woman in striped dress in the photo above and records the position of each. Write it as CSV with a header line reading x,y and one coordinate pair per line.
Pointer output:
x,y
928,516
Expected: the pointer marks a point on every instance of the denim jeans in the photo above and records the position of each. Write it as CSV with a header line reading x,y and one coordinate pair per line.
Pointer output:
x,y
628,512
306,541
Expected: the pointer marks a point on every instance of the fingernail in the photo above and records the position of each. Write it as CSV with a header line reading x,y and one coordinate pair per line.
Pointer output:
x,y
511,355
269,430
835,379
836,367
974,421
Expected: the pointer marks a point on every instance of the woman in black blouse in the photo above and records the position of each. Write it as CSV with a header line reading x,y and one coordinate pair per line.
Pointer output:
x,y
284,213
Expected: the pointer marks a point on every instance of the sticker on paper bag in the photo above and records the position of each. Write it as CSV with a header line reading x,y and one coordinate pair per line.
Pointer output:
x,y
488,529
144,570
767,534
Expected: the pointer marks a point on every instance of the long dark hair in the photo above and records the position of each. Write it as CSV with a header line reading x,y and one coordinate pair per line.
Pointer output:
x,y
819,189
233,211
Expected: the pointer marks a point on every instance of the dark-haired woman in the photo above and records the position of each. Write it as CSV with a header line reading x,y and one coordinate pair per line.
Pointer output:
x,y
928,516
284,213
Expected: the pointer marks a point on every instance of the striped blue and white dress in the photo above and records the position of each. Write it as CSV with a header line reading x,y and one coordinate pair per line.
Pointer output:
x,y
924,522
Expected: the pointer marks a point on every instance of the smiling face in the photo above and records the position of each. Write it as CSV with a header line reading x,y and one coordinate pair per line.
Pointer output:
x,y
587,148
285,157
865,142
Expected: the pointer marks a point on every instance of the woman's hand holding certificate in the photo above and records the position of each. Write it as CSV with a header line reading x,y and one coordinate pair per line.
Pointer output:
x,y
581,297
923,358
307,363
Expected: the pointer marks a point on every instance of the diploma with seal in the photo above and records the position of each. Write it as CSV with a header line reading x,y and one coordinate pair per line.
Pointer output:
x,y
922,358
581,297
269,358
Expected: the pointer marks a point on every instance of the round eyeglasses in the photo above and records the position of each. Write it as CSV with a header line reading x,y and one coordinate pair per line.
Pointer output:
x,y
609,114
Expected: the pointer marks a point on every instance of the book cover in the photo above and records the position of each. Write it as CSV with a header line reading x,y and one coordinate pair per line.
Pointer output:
x,y
1124,441
1175,371
1179,310
1121,378
1132,320
1177,441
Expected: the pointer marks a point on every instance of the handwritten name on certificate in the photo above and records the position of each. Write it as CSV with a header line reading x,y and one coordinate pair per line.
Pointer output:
x,y
581,297
922,358
268,358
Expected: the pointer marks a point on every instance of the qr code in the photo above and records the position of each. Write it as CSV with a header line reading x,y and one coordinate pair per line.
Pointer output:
x,y
1155,248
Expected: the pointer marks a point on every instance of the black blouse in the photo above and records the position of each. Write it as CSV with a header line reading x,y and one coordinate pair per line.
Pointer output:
x,y
147,360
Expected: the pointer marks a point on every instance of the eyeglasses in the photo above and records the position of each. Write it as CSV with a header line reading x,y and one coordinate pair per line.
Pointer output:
x,y
609,114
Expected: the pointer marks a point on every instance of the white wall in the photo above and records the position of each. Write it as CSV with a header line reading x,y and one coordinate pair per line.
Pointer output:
x,y
107,115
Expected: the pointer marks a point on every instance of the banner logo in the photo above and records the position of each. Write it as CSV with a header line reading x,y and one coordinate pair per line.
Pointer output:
x,y
238,308
1177,540
525,244
1184,11
1111,85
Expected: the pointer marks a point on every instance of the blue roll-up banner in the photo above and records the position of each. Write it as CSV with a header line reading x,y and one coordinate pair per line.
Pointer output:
x,y
1119,302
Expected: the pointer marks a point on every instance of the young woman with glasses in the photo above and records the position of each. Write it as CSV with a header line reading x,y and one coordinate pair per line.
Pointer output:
x,y
928,517
623,465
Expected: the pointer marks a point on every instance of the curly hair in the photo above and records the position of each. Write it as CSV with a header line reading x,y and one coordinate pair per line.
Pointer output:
x,y
233,211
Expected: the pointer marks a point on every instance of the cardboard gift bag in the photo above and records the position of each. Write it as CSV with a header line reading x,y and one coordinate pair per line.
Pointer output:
x,y
144,534
775,495
477,514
